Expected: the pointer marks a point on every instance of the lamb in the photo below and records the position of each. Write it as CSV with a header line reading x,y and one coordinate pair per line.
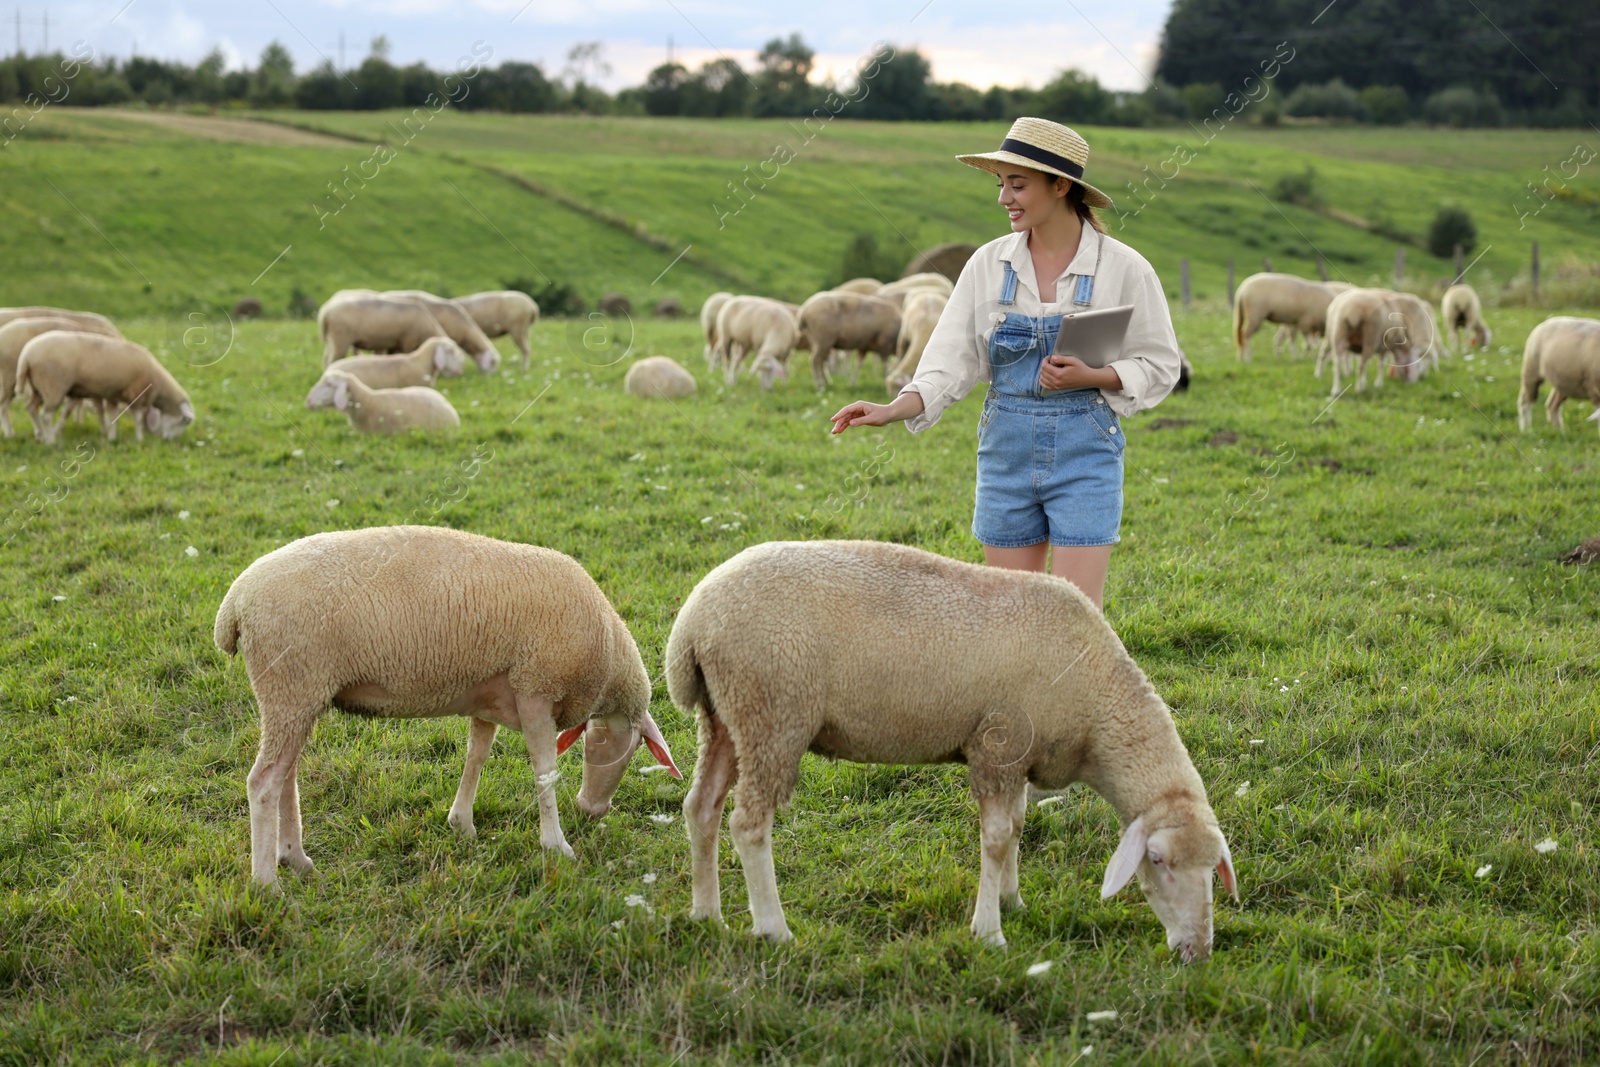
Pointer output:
x,y
921,315
755,324
881,653
658,376
122,376
376,323
437,356
1462,310
865,324
1564,351
708,323
382,410
86,320
1279,298
504,312
17,333
405,622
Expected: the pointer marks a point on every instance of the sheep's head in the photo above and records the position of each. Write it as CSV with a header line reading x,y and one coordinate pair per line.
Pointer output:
x,y
448,359
609,743
1174,855
331,391
1482,335
168,423
488,360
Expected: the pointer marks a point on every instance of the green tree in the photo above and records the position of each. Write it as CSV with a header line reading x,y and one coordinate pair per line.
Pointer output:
x,y
898,91
1452,226
663,89
783,85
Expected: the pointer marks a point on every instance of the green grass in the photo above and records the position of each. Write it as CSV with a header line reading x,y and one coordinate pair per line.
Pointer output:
x,y
1368,589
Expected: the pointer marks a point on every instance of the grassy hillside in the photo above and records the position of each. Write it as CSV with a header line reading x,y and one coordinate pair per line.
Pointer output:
x,y
474,200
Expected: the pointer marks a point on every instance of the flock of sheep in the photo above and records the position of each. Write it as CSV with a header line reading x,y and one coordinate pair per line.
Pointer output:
x,y
1353,326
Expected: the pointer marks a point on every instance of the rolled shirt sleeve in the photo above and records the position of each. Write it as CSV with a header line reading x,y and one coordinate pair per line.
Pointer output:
x,y
1150,361
953,359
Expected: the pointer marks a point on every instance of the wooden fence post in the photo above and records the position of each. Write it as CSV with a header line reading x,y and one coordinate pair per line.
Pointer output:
x,y
1322,267
1266,264
1536,270
1399,265
1460,261
1230,282
1183,280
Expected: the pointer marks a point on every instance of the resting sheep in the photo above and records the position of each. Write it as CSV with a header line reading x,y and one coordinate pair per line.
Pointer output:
x,y
917,320
1281,298
122,376
658,377
503,313
437,356
708,323
17,333
401,622
1460,309
755,324
848,321
881,653
376,323
382,410
1564,351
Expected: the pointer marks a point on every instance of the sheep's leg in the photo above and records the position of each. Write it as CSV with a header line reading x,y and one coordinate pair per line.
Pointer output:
x,y
1010,885
520,339
1000,820
855,373
5,417
282,738
480,739
291,847
537,715
108,421
714,774
751,829
735,356
1552,407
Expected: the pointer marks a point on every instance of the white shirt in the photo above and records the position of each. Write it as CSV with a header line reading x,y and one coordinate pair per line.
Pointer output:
x,y
957,355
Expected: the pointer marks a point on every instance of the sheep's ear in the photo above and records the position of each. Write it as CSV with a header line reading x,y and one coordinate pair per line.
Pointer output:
x,y
441,356
341,394
1125,860
566,738
658,744
152,419
186,409
1230,881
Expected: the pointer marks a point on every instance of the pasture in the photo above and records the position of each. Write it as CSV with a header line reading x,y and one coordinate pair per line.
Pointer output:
x,y
1355,610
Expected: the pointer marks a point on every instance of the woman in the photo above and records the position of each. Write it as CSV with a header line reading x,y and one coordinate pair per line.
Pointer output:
x,y
1049,439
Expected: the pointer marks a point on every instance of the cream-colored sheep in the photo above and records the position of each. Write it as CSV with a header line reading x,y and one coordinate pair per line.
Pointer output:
x,y
503,313
921,315
87,321
864,286
1279,298
848,321
1378,324
458,325
378,324
658,377
1350,327
926,280
1290,337
438,356
382,410
881,653
755,324
122,376
708,324
17,333
1564,351
403,622
1460,309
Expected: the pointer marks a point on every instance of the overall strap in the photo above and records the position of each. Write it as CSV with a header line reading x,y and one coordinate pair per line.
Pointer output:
x,y
1085,291
1008,286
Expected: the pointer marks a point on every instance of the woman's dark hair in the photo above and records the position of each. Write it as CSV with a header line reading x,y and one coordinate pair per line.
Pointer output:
x,y
1085,212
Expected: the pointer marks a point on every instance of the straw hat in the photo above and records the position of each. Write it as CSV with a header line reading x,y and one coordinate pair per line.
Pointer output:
x,y
1040,144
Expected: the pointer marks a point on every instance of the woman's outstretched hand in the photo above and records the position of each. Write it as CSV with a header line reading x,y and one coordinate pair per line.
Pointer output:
x,y
865,413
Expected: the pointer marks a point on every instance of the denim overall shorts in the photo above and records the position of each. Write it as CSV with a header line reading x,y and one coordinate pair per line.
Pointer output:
x,y
1049,461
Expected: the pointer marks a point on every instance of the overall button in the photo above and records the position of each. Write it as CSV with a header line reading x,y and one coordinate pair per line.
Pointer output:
x,y
1112,430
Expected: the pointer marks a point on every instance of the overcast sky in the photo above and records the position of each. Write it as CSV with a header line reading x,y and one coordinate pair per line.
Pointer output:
x,y
979,43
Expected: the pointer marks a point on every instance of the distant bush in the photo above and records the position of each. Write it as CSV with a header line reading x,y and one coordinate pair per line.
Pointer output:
x,y
1298,188
1450,227
1463,106
301,306
1201,98
1386,104
1331,100
555,299
864,259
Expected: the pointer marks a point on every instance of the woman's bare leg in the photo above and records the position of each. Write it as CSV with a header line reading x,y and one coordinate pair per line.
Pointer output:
x,y
1027,558
1085,567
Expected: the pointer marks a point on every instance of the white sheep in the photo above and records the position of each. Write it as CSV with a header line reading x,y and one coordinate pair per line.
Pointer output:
x,y
122,376
755,324
1460,309
354,320
1564,351
848,321
658,377
437,356
917,320
502,313
87,321
18,332
708,324
881,653
1281,298
458,325
925,280
402,622
382,410
864,286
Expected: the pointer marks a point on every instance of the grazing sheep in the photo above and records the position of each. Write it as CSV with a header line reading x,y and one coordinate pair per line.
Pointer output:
x,y
864,286
376,323
502,313
247,308
708,323
658,377
615,304
848,321
1564,351
382,410
86,320
458,325
1462,310
1350,327
1379,323
17,333
668,309
122,376
402,622
1279,298
917,320
437,356
881,653
755,324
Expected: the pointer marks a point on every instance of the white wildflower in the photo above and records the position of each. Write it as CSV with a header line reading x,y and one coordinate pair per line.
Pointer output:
x,y
650,878
1086,1050
707,520
58,599
1258,741
1283,689
616,924
1102,1016
332,503
191,552
661,817
800,487
634,900
1483,872
636,457
1244,787
1546,846
1049,800
183,514
298,452
1039,968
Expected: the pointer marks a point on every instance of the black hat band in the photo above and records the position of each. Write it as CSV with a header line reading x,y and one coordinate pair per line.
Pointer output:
x,y
1040,155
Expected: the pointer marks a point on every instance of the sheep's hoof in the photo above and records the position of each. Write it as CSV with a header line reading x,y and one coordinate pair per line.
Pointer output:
x,y
707,915
994,939
463,825
559,845
298,862
1014,902
777,936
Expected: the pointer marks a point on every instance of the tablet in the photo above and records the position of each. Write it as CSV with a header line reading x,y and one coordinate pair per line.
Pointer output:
x,y
1094,336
